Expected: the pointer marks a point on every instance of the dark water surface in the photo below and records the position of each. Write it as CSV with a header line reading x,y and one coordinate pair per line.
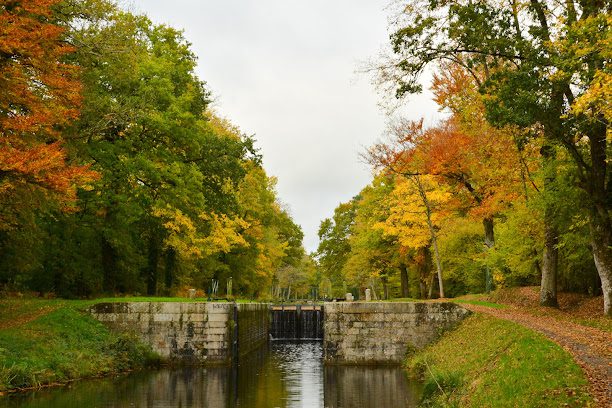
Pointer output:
x,y
282,375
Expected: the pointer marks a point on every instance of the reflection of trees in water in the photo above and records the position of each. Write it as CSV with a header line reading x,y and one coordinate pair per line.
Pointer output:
x,y
353,386
188,387
286,375
260,382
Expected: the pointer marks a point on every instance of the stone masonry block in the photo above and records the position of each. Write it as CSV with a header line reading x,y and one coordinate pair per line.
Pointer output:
x,y
217,317
194,308
139,307
215,345
194,317
216,324
214,337
163,317
214,331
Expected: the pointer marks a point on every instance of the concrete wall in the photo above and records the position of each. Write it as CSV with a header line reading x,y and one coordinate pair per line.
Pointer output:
x,y
189,332
382,333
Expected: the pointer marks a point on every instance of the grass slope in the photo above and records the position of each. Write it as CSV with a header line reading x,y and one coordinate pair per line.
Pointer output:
x,y
488,362
44,342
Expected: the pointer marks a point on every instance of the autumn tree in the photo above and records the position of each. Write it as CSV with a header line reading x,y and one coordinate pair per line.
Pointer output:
x,y
485,166
181,198
40,94
274,241
397,157
417,210
143,127
542,61
296,280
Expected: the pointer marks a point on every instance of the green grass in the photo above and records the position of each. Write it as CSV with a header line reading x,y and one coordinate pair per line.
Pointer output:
x,y
46,341
488,362
16,308
53,341
14,311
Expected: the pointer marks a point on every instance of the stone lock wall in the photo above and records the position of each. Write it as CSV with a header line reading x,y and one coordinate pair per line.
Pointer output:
x,y
215,333
189,332
382,333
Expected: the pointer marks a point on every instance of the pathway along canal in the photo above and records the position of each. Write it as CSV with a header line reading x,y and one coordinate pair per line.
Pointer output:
x,y
284,374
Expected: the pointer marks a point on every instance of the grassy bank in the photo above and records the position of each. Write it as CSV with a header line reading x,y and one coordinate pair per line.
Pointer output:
x,y
487,362
45,342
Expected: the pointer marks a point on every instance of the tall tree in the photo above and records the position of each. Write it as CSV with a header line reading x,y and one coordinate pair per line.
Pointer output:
x,y
483,164
375,258
334,245
40,94
532,54
417,209
179,192
398,157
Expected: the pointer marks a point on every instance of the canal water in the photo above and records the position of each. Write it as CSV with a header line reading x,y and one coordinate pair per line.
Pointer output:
x,y
282,375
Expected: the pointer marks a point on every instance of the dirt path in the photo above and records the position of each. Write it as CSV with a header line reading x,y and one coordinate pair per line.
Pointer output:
x,y
20,319
590,347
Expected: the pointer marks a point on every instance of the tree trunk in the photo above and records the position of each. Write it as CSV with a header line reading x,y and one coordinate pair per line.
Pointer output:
x,y
432,230
110,257
601,245
385,289
438,266
152,264
548,286
489,241
404,281
109,266
373,292
431,286
169,267
599,220
422,289
423,261
489,232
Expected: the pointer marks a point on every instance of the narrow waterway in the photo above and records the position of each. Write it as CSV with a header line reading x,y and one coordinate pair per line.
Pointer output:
x,y
282,375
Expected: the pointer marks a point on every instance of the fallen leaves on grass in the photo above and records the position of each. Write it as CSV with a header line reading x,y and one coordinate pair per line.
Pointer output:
x,y
590,347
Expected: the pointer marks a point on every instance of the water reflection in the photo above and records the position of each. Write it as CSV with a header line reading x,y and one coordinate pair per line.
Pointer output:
x,y
388,387
286,375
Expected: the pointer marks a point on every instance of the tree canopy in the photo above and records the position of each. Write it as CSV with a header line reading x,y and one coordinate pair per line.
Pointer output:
x,y
116,176
537,70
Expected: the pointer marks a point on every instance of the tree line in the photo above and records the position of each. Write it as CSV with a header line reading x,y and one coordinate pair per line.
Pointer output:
x,y
116,176
514,188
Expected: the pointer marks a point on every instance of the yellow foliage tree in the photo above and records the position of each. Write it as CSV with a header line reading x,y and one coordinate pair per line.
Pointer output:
x,y
208,234
416,214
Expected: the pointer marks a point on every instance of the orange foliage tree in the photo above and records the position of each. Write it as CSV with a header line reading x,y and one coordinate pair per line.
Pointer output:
x,y
481,164
39,94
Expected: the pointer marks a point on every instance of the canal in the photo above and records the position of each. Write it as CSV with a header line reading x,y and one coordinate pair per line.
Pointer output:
x,y
284,374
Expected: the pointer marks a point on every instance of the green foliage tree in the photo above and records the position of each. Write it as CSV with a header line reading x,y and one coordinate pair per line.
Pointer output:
x,y
334,246
375,257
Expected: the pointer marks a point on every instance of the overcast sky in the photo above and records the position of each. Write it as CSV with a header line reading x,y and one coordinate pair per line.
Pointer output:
x,y
285,71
